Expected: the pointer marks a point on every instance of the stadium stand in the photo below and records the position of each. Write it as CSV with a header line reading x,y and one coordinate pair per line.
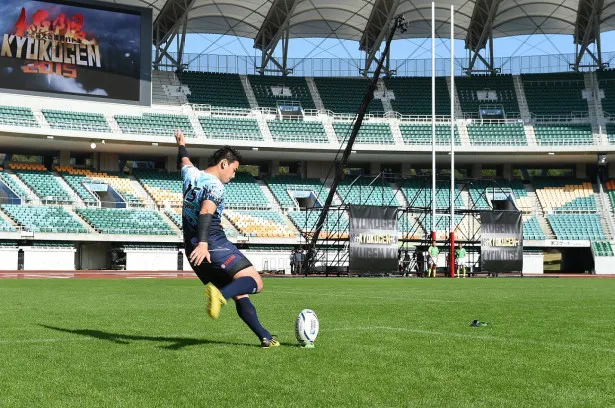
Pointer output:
x,y
610,131
497,134
8,180
255,223
413,95
155,124
358,191
335,225
225,128
532,229
565,195
282,186
610,189
297,131
125,221
42,182
224,90
165,188
420,134
369,133
418,194
475,91
576,226
5,226
43,218
94,122
565,88
299,91
17,116
547,135
602,248
120,183
244,191
344,95
606,82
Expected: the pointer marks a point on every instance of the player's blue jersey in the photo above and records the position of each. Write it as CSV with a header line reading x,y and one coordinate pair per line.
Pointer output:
x,y
199,186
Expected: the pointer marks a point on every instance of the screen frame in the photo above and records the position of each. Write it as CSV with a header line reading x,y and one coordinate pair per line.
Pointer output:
x,y
145,76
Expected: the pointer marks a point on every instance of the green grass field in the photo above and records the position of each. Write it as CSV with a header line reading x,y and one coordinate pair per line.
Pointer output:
x,y
383,343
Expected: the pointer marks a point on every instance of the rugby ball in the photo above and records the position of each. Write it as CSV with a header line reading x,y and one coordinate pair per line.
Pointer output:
x,y
306,327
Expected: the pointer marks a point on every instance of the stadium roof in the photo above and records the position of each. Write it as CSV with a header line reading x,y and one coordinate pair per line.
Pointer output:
x,y
350,19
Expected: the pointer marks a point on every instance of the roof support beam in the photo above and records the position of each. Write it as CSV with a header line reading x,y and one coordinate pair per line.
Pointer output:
x,y
171,23
376,30
275,27
480,31
586,32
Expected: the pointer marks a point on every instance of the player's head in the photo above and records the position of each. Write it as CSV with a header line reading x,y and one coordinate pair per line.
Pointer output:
x,y
433,242
461,245
226,160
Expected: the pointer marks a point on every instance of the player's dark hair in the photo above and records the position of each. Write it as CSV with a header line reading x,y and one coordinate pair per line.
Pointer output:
x,y
225,152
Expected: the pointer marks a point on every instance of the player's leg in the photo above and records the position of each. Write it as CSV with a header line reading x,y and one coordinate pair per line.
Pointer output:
x,y
247,312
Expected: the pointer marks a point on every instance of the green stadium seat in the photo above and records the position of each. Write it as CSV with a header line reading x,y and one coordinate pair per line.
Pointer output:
x,y
297,131
216,127
503,85
93,122
413,95
155,124
541,90
17,116
262,87
369,133
344,95
497,134
125,221
222,90
44,219
420,134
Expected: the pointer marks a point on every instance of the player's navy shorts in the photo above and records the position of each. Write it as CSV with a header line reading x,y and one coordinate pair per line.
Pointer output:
x,y
226,261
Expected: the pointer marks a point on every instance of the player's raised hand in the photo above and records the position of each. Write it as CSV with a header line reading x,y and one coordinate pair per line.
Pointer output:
x,y
200,253
179,138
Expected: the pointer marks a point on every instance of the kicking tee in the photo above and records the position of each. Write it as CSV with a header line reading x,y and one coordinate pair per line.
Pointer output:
x,y
199,186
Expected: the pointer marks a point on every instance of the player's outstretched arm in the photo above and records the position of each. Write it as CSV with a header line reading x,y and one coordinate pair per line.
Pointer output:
x,y
182,154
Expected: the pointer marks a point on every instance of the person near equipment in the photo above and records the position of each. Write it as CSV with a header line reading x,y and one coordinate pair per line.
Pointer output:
x,y
433,253
460,259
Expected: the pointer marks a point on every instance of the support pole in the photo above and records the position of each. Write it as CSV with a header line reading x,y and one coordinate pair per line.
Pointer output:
x,y
451,256
433,121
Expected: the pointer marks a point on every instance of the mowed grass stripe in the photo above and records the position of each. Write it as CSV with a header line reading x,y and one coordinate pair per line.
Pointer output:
x,y
383,342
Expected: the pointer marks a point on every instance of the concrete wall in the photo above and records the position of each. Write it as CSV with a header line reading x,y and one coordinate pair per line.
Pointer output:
x,y
46,259
159,260
8,259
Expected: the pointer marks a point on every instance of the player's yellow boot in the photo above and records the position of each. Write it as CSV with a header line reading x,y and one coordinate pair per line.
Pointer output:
x,y
216,300
266,343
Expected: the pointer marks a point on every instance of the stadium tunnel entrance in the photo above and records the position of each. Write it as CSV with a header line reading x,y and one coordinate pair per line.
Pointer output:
x,y
568,260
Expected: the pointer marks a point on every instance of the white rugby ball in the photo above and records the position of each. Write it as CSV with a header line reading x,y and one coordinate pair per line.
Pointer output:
x,y
306,327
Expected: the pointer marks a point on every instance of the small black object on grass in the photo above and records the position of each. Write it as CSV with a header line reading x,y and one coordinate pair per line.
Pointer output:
x,y
478,323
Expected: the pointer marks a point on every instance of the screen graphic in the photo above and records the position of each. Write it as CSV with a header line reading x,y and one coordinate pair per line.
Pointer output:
x,y
61,47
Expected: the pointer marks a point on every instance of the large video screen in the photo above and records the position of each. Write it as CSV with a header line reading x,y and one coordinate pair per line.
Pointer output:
x,y
65,47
